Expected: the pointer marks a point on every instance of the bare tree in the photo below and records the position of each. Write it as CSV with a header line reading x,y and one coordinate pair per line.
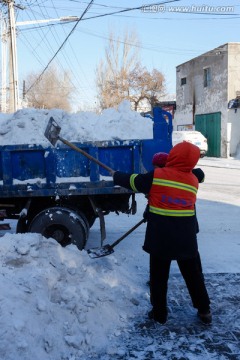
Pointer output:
x,y
121,57
52,90
145,85
121,76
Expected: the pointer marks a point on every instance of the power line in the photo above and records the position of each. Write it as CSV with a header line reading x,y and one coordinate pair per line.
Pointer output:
x,y
69,60
130,9
122,13
85,11
64,42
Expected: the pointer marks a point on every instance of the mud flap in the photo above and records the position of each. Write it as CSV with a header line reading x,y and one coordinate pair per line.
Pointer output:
x,y
100,214
102,225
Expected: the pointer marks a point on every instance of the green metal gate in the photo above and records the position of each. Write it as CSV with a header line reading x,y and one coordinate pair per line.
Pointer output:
x,y
210,126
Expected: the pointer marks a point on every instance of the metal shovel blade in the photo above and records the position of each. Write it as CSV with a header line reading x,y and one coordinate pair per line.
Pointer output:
x,y
108,249
52,131
100,252
52,134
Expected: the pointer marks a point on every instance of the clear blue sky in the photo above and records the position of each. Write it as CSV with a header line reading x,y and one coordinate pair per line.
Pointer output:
x,y
170,35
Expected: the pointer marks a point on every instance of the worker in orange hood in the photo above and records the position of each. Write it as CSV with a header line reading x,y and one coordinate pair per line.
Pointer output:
x,y
171,227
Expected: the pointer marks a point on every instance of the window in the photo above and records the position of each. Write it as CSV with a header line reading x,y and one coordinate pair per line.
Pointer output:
x,y
207,77
183,81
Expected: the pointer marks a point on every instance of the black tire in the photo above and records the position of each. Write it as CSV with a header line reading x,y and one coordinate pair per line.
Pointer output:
x,y
62,224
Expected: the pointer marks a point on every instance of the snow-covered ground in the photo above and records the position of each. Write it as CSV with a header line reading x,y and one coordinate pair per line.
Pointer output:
x,y
59,304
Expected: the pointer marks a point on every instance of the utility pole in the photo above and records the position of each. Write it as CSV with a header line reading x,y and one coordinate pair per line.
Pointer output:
x,y
13,70
9,36
4,65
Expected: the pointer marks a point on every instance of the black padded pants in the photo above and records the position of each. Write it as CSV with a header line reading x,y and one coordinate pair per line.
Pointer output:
x,y
191,271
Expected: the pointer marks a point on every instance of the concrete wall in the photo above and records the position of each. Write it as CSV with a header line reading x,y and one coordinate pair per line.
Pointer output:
x,y
193,98
233,92
233,70
234,130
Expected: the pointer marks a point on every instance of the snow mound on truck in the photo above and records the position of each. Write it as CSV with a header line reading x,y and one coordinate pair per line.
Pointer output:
x,y
27,126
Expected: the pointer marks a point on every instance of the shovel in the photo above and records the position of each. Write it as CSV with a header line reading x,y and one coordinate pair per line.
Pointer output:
x,y
108,249
52,134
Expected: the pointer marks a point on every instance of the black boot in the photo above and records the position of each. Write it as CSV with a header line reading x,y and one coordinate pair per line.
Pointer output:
x,y
205,316
158,315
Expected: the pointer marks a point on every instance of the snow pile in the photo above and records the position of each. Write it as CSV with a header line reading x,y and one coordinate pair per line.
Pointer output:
x,y
62,303
27,126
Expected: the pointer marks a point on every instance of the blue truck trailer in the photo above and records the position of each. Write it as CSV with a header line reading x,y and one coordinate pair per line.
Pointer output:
x,y
58,192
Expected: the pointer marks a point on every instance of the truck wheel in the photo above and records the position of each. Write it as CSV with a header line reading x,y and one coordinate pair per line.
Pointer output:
x,y
62,224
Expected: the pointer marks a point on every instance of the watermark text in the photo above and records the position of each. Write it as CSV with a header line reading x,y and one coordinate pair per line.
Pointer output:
x,y
187,9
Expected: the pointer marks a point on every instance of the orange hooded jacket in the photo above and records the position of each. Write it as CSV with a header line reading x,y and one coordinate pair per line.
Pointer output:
x,y
174,187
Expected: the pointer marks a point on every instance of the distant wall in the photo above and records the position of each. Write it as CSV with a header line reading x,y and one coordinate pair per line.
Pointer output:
x,y
234,130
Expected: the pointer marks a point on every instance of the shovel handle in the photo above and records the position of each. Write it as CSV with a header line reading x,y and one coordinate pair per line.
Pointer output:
x,y
90,157
127,233
108,249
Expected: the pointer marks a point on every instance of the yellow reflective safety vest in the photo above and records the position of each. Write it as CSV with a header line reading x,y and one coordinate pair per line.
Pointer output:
x,y
173,192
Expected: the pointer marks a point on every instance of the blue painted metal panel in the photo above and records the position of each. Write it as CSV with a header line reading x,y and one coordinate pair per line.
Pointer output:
x,y
7,168
94,168
149,148
162,126
1,169
28,164
55,166
118,157
50,166
70,163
